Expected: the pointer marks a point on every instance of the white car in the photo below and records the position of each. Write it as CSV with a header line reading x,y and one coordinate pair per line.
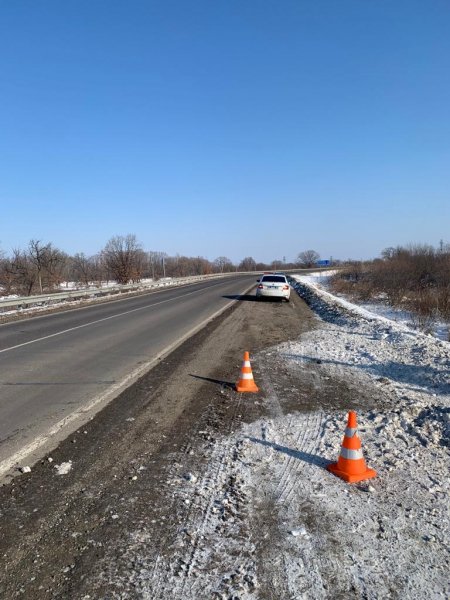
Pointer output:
x,y
273,285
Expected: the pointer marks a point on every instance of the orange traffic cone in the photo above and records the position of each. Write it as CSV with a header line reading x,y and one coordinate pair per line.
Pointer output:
x,y
246,382
351,465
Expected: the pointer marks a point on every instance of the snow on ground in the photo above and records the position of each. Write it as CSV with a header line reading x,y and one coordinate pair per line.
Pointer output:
x,y
391,535
49,303
320,281
388,537
95,285
268,521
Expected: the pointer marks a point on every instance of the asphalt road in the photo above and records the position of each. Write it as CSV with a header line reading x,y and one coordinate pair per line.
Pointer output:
x,y
60,366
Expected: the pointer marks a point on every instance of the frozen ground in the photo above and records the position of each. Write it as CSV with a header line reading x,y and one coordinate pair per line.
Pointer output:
x,y
320,282
265,520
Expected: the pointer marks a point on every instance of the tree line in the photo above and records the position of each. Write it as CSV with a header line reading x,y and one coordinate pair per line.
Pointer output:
x,y
42,267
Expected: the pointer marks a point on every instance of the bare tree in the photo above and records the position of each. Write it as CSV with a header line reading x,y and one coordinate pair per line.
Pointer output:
x,y
99,270
20,272
201,266
159,264
247,264
82,268
37,253
223,264
389,253
123,257
6,278
49,263
308,258
179,266
55,267
41,265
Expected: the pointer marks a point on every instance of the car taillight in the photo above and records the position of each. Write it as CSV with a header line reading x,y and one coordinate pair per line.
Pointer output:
x,y
260,286
285,287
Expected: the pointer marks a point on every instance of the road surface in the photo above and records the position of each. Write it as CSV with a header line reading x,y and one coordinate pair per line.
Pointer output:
x,y
53,367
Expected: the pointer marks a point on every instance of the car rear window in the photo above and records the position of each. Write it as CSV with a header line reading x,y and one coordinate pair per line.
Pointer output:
x,y
273,278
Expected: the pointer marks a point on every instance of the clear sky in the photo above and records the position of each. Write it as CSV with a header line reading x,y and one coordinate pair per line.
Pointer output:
x,y
225,127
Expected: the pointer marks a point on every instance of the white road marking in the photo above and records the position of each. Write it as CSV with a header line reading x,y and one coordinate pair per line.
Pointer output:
x,y
46,337
109,394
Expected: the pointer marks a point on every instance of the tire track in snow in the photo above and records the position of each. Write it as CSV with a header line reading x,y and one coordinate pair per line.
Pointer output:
x,y
180,583
293,478
308,444
293,488
296,479
163,576
222,451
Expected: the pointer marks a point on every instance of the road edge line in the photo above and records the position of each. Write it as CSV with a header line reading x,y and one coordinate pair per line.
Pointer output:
x,y
104,399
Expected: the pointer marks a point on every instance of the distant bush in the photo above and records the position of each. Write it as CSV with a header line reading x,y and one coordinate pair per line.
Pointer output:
x,y
415,277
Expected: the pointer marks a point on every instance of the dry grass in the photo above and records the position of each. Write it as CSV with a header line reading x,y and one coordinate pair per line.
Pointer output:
x,y
416,278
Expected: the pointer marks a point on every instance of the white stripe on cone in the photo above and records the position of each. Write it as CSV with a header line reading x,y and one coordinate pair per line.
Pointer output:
x,y
350,431
351,454
247,376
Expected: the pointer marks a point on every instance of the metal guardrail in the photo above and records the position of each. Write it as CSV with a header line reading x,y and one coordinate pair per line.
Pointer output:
x,y
43,299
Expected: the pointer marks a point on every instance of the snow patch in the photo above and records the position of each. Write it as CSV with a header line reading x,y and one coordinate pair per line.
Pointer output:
x,y
63,468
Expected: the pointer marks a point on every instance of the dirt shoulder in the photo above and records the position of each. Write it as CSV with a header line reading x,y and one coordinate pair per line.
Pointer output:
x,y
58,531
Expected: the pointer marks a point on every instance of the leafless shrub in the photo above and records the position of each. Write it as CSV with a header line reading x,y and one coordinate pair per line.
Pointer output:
x,y
340,285
443,301
423,309
352,280
416,277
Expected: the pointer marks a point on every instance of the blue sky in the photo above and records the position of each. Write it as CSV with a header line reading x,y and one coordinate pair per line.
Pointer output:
x,y
225,127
